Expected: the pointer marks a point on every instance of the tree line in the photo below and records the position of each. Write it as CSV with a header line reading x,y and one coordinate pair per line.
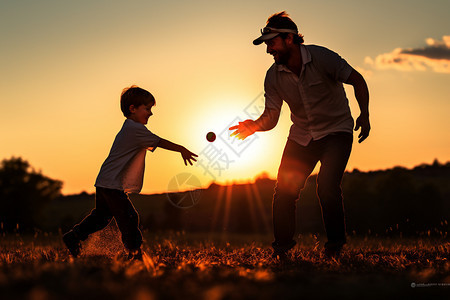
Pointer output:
x,y
396,201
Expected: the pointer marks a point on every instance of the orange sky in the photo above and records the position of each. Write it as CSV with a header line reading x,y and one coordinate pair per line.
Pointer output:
x,y
63,66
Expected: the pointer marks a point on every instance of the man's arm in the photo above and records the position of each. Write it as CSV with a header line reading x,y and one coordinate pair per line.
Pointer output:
x,y
185,153
362,96
267,121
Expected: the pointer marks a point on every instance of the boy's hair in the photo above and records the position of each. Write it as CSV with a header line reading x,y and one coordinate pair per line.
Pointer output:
x,y
282,20
136,96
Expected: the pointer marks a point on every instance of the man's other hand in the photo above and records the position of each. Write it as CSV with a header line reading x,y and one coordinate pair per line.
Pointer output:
x,y
362,122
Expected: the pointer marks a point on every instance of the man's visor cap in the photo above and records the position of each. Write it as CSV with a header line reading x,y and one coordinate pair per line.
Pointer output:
x,y
268,33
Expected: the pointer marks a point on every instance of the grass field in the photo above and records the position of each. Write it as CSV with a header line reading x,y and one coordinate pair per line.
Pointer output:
x,y
187,266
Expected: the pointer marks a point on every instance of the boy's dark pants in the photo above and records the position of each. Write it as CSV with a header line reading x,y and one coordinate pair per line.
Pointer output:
x,y
296,165
110,203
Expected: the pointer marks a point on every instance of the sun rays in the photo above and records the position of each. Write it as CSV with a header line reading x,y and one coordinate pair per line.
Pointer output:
x,y
250,203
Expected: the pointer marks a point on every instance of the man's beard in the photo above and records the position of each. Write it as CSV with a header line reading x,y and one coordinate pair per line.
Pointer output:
x,y
283,57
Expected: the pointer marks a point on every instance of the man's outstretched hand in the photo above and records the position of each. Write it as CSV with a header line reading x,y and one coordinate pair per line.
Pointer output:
x,y
243,129
362,122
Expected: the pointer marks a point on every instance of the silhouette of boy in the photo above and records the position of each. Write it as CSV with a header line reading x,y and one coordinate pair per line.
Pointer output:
x,y
123,173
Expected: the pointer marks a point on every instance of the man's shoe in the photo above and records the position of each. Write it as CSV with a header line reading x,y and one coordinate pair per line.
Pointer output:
x,y
280,255
332,253
333,250
72,243
283,247
280,251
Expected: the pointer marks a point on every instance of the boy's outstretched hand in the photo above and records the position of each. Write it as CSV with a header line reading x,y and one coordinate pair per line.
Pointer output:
x,y
188,156
185,153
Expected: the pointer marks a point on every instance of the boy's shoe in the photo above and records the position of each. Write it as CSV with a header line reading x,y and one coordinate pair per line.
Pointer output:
x,y
135,255
72,243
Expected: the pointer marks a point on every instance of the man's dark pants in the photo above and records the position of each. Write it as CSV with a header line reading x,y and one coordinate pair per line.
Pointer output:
x,y
110,203
297,163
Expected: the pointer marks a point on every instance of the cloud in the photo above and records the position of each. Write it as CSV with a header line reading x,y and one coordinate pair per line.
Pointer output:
x,y
434,56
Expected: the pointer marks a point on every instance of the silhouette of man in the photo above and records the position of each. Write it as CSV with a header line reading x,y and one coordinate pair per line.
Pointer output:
x,y
309,79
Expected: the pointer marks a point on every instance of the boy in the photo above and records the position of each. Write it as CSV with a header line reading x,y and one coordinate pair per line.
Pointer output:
x,y
123,173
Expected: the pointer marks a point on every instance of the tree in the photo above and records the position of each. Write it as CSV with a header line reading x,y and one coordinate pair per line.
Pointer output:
x,y
24,193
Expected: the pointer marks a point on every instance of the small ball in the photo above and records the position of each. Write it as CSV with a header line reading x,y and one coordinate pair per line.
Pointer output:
x,y
211,136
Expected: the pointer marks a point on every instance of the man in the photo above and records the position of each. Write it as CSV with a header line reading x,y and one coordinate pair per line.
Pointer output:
x,y
309,79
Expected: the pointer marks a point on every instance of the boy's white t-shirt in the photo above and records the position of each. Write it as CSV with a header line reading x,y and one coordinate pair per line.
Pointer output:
x,y
123,169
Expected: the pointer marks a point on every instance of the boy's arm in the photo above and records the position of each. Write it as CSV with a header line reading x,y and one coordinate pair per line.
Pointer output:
x,y
185,153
